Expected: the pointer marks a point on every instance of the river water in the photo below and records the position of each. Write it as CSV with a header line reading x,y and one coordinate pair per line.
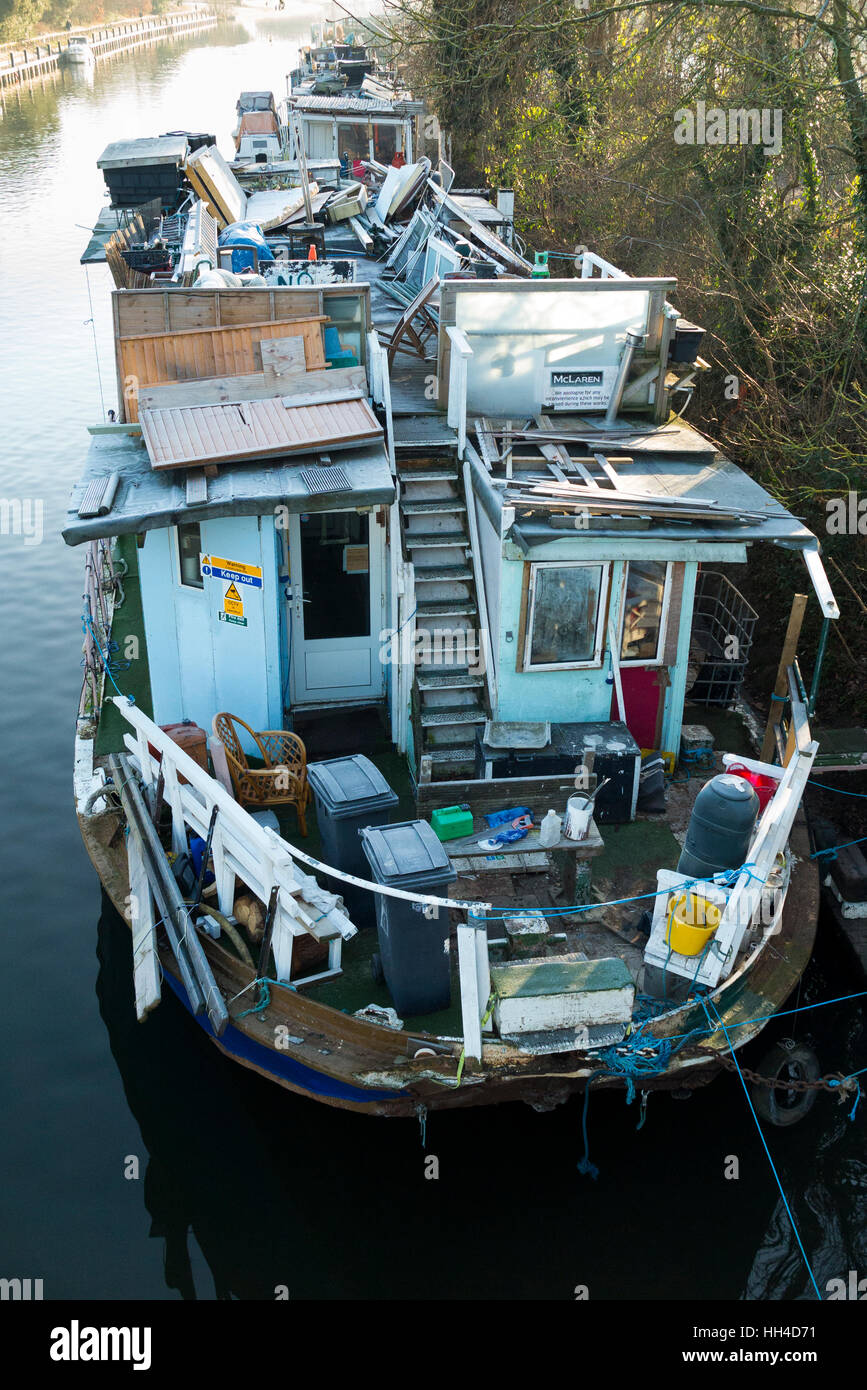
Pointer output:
x,y
138,1163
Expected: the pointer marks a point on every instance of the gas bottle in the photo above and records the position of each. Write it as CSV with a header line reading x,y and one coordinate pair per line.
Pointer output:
x,y
720,827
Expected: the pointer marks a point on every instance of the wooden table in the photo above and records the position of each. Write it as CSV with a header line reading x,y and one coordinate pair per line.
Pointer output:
x,y
569,851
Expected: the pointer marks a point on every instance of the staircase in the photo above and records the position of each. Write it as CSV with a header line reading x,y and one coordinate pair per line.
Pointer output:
x,y
449,696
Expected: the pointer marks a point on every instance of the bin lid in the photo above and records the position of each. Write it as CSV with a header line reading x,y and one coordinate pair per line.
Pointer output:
x,y
406,855
349,786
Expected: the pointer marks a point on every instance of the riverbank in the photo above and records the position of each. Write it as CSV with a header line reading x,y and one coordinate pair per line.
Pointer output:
x,y
45,54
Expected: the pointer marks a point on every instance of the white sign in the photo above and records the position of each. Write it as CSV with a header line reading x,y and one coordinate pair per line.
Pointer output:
x,y
585,388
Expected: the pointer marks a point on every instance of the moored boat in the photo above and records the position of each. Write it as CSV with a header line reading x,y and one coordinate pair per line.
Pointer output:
x,y
478,588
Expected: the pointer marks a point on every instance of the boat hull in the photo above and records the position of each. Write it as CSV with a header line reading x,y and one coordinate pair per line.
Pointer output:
x,y
317,1052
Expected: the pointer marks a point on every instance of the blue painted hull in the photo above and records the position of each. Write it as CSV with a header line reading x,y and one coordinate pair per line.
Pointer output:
x,y
282,1068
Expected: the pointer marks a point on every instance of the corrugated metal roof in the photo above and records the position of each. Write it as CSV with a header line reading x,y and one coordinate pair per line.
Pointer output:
x,y
364,106
187,436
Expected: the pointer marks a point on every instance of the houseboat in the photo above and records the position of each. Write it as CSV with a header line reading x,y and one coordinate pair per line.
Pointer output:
x,y
396,596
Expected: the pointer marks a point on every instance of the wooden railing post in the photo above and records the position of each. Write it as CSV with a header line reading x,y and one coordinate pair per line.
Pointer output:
x,y
781,685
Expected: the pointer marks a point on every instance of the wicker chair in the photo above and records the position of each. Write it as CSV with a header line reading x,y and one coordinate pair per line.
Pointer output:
x,y
283,779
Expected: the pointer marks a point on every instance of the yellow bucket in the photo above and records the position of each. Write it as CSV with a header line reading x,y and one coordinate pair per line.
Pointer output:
x,y
692,922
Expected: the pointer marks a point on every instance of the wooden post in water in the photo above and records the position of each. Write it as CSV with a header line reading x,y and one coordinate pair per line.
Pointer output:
x,y
790,651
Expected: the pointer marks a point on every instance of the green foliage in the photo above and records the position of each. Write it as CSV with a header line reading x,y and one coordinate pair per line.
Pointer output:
x,y
576,111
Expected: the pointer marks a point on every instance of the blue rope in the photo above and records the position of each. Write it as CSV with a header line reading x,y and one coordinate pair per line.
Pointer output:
x,y
85,624
831,853
841,791
706,1004
724,879
266,996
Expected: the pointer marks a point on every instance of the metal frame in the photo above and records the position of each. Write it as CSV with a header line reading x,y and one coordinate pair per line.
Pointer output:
x,y
663,617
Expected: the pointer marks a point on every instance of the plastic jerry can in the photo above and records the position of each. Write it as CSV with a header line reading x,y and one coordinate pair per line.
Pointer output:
x,y
450,822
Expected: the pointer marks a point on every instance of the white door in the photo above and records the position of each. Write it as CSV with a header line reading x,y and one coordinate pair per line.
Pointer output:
x,y
336,562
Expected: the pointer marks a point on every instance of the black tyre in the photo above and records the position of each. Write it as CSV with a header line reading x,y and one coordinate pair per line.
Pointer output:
x,y
376,968
784,1107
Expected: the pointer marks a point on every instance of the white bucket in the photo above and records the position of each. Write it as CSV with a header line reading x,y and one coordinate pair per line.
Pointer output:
x,y
579,813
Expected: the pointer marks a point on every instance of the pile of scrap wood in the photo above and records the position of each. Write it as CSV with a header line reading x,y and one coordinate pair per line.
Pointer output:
x,y
213,181
562,469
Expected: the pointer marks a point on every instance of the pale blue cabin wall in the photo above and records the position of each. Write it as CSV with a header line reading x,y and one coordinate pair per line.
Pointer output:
x,y
562,696
585,695
198,664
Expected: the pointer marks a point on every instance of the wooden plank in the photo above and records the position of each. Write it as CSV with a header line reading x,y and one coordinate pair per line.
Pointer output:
x,y
146,966
252,387
194,354
781,686
498,793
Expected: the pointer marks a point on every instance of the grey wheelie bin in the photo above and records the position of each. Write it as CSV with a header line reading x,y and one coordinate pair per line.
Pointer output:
x,y
349,793
413,940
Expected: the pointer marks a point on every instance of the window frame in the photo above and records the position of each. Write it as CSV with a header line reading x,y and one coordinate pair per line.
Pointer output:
x,y
593,663
182,583
659,658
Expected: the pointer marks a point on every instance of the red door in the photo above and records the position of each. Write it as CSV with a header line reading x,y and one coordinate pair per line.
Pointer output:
x,y
643,697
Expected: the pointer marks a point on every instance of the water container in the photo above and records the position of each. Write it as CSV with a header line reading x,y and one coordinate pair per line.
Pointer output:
x,y
549,831
720,827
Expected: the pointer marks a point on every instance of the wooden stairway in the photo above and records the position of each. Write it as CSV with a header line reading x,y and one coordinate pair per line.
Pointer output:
x,y
449,697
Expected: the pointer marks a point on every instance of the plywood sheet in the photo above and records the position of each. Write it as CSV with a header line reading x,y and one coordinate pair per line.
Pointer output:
x,y
256,386
191,436
151,359
283,357
216,185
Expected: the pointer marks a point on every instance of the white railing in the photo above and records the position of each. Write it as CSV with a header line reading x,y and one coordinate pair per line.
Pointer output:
x,y
243,849
590,262
481,592
461,352
741,902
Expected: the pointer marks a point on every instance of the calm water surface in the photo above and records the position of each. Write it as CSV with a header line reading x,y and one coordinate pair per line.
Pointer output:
x,y
241,1186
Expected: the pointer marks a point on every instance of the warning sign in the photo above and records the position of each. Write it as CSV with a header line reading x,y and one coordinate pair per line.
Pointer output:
x,y
232,601
214,567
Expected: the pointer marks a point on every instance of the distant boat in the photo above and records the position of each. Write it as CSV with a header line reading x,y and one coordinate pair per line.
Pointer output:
x,y
79,54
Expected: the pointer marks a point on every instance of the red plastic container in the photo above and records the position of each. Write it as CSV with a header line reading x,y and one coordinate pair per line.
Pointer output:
x,y
765,786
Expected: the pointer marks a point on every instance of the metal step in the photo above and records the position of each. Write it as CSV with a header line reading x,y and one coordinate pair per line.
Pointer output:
x,y
427,475
445,505
445,608
463,755
453,714
431,574
433,540
461,680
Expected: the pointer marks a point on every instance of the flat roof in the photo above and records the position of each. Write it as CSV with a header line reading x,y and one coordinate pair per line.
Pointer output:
x,y
155,149
149,501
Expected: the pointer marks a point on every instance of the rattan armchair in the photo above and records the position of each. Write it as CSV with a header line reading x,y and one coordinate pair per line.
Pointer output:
x,y
283,779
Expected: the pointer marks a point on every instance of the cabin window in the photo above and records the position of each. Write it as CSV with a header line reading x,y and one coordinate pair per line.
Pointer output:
x,y
645,612
566,606
189,556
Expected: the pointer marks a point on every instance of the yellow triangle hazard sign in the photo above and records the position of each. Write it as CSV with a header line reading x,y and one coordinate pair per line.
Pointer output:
x,y
232,594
